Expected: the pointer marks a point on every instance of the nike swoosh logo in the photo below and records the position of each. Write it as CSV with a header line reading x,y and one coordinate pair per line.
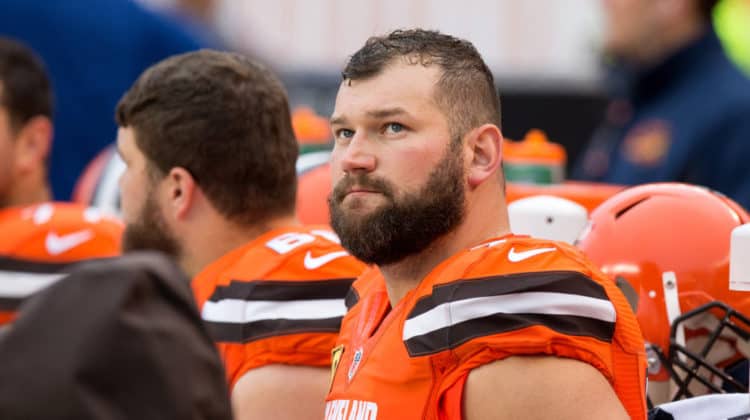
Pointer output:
x,y
311,263
515,257
57,244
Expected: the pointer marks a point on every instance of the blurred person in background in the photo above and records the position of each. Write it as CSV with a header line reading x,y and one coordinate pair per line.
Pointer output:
x,y
195,16
94,50
196,10
39,237
680,109
210,179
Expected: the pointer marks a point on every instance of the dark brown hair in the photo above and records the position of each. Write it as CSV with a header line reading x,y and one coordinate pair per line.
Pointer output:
x,y
224,118
25,89
466,90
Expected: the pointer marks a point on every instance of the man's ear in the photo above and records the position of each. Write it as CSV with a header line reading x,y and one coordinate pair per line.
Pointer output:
x,y
182,191
484,152
32,144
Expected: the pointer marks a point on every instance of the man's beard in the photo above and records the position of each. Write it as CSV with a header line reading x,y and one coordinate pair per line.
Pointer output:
x,y
150,232
404,227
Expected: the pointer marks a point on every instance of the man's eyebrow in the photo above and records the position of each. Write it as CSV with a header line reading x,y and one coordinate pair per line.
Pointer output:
x,y
337,120
377,114
387,112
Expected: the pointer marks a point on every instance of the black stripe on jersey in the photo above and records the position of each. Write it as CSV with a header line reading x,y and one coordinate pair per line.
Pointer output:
x,y
555,282
11,304
243,333
351,299
28,266
283,290
453,336
570,282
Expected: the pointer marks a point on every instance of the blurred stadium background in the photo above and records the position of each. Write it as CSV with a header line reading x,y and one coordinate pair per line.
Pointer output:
x,y
544,54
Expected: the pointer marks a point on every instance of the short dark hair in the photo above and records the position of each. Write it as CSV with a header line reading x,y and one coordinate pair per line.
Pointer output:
x,y
25,89
225,118
466,90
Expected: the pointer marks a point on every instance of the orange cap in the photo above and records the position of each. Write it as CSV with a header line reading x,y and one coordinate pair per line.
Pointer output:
x,y
309,127
535,147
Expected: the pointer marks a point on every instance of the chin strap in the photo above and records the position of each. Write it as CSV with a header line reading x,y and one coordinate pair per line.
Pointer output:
x,y
672,303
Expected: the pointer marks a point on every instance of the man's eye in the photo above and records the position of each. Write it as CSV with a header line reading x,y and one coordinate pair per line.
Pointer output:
x,y
344,133
394,128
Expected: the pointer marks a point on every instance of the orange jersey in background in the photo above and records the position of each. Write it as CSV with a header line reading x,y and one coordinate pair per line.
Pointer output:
x,y
38,241
277,300
510,296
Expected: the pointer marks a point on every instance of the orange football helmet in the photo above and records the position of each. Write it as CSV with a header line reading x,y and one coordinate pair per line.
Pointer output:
x,y
313,188
667,245
97,186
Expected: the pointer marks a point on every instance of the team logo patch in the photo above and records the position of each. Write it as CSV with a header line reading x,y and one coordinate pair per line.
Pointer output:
x,y
647,144
355,363
336,354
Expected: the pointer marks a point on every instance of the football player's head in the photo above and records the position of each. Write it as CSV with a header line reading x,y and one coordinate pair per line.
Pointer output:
x,y
25,125
416,136
644,30
667,245
205,136
98,185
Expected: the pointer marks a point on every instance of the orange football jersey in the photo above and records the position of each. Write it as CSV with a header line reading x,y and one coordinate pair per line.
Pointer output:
x,y
509,296
277,300
38,241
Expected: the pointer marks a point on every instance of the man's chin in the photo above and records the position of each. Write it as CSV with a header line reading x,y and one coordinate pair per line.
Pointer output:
x,y
362,204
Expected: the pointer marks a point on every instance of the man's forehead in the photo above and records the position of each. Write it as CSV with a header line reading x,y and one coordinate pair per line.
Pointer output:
x,y
398,86
400,72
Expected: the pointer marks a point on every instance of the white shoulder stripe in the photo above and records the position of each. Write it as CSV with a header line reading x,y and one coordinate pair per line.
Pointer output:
x,y
545,303
16,284
238,311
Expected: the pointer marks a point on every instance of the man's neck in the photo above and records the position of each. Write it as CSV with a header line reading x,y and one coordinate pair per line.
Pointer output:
x,y
403,276
213,244
29,192
671,40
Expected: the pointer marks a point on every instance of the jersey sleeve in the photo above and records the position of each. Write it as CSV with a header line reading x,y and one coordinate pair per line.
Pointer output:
x,y
561,313
40,241
554,304
62,233
264,322
19,279
289,314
